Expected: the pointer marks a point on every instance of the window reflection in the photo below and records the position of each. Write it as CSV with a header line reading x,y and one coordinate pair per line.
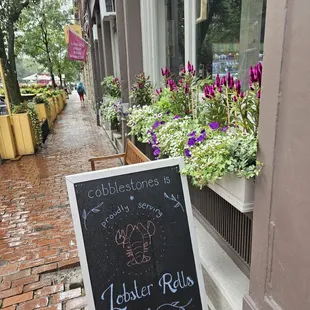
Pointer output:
x,y
175,35
230,38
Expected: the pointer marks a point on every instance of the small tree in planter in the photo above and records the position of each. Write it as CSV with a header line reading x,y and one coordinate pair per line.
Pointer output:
x,y
111,87
142,90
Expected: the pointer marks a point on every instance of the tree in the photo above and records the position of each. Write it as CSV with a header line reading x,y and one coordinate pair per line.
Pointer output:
x,y
10,12
43,34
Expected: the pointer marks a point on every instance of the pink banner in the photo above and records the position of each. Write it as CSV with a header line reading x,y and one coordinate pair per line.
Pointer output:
x,y
77,47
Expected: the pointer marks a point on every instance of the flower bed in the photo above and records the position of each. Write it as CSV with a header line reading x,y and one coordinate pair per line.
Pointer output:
x,y
216,135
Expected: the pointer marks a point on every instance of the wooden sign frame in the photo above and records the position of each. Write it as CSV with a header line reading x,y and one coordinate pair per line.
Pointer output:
x,y
123,170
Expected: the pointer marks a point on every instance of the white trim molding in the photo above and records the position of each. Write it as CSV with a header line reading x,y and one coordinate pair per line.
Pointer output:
x,y
190,31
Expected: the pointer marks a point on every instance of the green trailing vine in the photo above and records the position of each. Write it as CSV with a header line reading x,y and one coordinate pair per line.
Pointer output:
x,y
30,108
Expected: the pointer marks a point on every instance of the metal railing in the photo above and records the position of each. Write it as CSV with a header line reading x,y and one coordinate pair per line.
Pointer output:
x,y
231,228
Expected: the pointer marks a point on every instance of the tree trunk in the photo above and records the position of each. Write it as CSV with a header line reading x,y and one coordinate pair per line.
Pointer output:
x,y
11,83
60,78
9,67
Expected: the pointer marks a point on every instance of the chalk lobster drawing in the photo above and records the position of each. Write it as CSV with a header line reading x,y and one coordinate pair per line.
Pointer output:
x,y
136,241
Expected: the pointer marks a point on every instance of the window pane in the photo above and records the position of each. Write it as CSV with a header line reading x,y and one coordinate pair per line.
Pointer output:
x,y
230,36
175,35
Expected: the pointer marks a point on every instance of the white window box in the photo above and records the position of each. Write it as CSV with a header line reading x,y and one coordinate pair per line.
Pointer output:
x,y
238,192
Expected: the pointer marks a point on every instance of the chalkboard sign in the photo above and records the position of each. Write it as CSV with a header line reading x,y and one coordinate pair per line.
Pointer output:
x,y
135,236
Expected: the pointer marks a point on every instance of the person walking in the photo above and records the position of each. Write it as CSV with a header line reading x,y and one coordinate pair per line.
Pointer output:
x,y
81,91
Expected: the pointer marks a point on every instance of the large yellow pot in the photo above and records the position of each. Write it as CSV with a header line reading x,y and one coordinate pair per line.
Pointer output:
x,y
23,133
64,97
7,142
43,114
53,109
61,102
57,105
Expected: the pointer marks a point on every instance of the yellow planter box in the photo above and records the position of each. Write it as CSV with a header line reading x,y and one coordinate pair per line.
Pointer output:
x,y
23,132
42,111
53,109
57,105
64,97
61,102
7,142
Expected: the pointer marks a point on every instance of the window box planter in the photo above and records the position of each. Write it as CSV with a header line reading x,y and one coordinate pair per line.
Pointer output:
x,y
238,192
24,135
7,142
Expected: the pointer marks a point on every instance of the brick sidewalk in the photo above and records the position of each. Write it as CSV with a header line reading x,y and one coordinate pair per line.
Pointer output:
x,y
37,242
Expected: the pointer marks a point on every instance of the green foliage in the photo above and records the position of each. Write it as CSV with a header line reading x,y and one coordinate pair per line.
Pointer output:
x,y
142,90
43,36
111,87
223,154
10,11
110,109
30,108
221,141
141,120
174,135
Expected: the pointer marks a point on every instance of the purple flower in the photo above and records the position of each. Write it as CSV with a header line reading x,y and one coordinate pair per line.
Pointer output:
x,y
218,81
242,95
162,122
140,85
148,131
158,91
165,72
238,87
190,67
191,141
186,89
202,137
235,99
223,81
134,124
214,125
177,117
224,129
155,125
171,83
156,151
192,134
187,153
258,94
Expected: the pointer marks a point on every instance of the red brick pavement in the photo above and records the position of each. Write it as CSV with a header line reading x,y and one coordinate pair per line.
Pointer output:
x,y
36,232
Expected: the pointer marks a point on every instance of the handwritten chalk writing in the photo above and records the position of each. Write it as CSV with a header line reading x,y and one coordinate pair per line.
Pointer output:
x,y
114,214
136,240
126,295
136,292
86,214
148,207
115,188
178,204
168,283
166,180
175,305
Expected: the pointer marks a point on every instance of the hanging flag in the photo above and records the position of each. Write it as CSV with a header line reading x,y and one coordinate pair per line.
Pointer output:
x,y
77,47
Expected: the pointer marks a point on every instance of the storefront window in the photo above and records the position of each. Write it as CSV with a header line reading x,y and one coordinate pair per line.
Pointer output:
x,y
175,35
229,36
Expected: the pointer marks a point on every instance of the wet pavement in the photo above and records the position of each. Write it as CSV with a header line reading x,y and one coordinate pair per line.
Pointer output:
x,y
36,231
